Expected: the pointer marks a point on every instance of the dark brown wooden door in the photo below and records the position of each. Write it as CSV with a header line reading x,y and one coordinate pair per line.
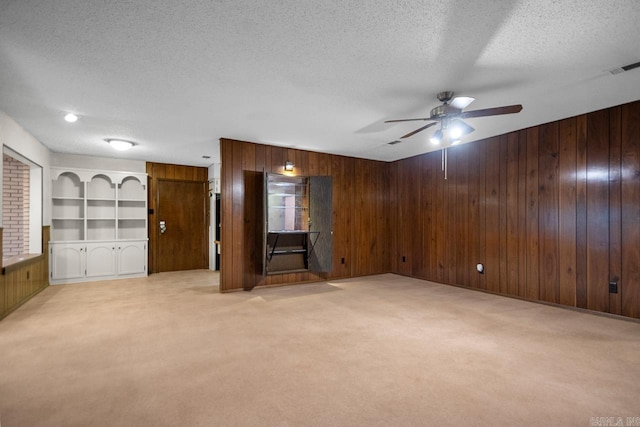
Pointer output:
x,y
182,238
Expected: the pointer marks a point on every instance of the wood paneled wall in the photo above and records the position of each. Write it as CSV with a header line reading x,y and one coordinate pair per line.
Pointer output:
x,y
157,171
20,282
361,226
553,213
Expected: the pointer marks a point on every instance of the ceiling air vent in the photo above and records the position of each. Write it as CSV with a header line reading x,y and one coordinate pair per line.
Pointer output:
x,y
625,68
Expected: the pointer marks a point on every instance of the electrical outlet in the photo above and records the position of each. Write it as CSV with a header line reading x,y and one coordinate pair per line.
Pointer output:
x,y
404,258
613,287
341,260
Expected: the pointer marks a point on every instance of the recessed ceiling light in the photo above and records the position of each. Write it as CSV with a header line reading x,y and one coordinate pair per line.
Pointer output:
x,y
71,118
120,144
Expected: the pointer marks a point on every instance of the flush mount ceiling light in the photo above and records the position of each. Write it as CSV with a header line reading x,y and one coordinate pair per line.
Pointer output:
x,y
120,144
71,118
288,166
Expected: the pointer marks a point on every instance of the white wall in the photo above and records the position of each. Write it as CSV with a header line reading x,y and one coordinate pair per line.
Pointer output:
x,y
15,137
214,171
97,163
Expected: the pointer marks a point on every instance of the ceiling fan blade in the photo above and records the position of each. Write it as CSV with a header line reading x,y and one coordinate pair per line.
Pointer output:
x,y
461,102
407,120
417,130
508,109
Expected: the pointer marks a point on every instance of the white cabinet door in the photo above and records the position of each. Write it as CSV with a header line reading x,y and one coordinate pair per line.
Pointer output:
x,y
101,259
67,261
132,257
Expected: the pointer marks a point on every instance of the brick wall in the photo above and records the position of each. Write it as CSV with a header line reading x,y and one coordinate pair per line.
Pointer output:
x,y
15,207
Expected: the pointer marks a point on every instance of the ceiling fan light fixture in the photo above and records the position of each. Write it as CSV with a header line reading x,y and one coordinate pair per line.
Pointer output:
x,y
457,129
455,133
450,114
120,144
436,138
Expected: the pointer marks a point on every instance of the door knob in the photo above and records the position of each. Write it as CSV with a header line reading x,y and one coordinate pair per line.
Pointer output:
x,y
163,227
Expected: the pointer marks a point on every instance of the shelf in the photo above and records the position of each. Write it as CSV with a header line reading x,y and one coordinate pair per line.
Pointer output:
x,y
68,186
131,189
98,206
63,208
67,229
132,229
91,205
287,181
101,188
292,205
101,209
132,209
294,270
67,198
287,236
101,229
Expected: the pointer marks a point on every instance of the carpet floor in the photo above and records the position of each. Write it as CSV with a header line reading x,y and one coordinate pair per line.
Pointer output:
x,y
384,350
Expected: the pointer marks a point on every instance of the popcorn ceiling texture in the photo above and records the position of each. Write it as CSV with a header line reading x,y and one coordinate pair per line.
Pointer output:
x,y
323,76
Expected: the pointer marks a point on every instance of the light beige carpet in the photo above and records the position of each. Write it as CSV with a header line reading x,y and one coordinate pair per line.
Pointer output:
x,y
169,350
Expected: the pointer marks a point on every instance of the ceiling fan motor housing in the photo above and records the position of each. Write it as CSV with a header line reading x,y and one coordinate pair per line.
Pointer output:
x,y
442,111
445,96
450,114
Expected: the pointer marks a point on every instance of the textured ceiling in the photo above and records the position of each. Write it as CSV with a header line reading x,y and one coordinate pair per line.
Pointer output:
x,y
320,75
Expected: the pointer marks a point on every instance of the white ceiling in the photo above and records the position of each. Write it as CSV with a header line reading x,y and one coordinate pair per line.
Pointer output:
x,y
319,75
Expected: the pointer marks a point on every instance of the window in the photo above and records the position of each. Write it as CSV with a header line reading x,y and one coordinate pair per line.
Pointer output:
x,y
21,205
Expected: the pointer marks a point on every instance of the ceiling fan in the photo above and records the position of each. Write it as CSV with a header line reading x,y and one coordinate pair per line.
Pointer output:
x,y
450,116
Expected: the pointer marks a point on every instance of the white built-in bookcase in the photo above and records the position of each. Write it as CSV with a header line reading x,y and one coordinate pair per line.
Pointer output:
x,y
103,208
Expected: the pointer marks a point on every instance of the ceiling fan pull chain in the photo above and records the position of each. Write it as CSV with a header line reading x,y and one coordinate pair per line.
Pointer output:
x,y
445,162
